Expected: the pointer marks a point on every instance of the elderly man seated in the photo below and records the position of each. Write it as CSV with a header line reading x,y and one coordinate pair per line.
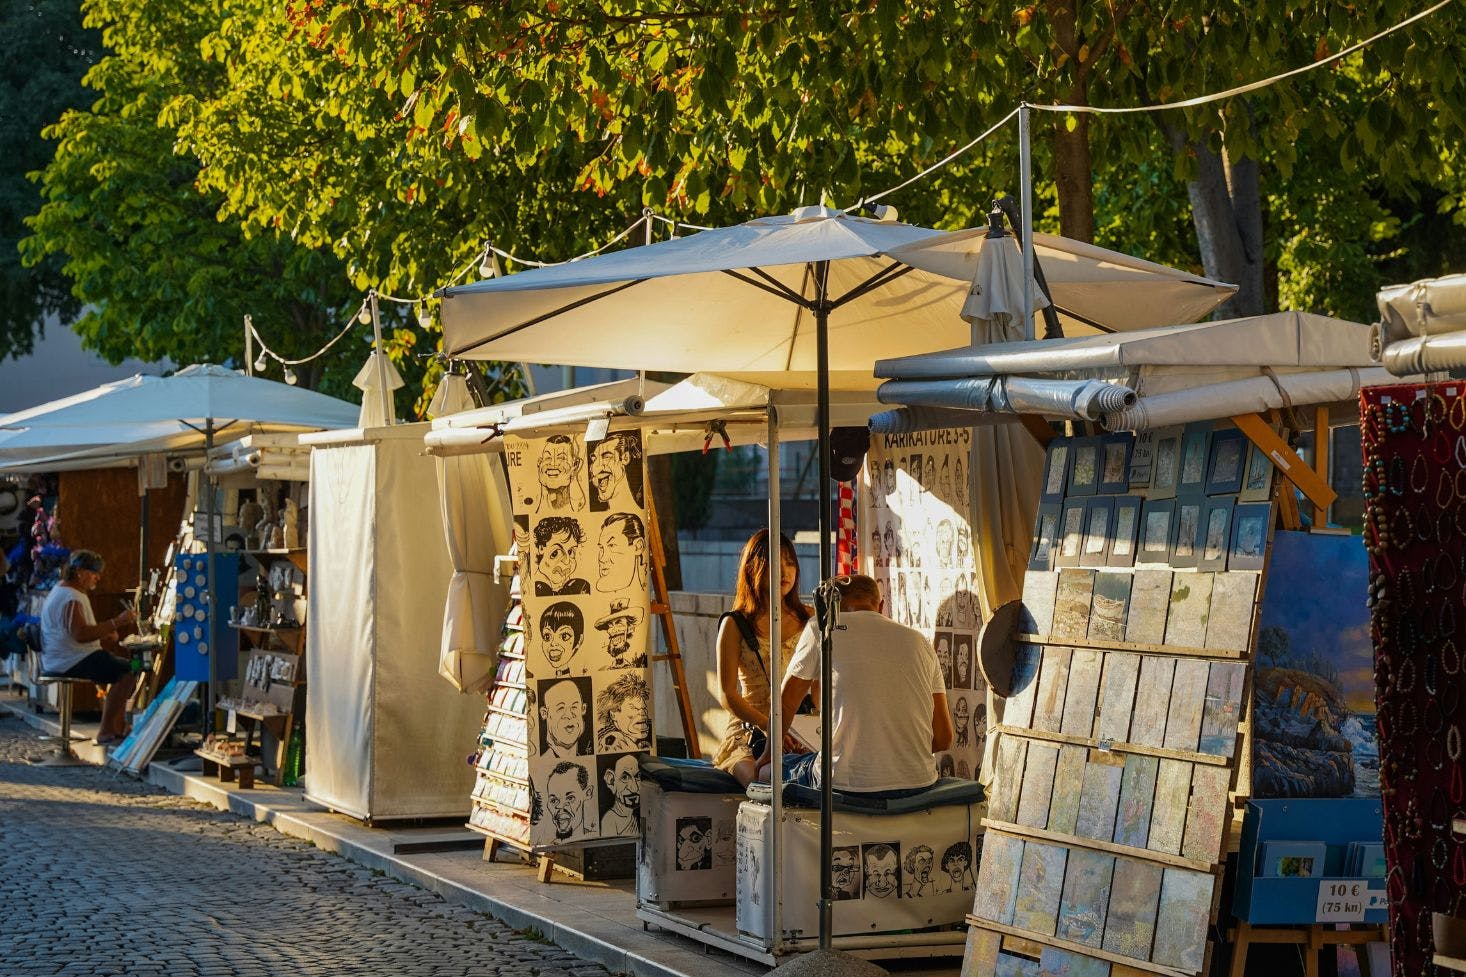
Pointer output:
x,y
71,641
888,698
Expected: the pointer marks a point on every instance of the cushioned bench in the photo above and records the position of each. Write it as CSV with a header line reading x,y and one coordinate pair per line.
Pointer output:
x,y
689,813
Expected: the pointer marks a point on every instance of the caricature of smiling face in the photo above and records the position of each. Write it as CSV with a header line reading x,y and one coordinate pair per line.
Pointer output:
x,y
559,643
608,469
880,874
624,779
563,711
961,716
565,800
557,465
618,636
558,560
619,558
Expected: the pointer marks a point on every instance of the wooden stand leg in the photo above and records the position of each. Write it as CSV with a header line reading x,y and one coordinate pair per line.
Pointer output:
x,y
1241,938
545,868
247,777
226,774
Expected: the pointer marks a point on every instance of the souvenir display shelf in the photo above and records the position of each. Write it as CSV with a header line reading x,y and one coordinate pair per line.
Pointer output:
x,y
501,801
1121,738
1414,452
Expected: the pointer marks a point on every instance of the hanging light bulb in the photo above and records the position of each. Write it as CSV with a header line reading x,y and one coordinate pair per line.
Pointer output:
x,y
261,363
489,267
365,315
290,376
424,317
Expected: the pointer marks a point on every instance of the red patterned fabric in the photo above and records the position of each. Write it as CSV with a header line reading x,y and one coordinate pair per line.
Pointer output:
x,y
847,553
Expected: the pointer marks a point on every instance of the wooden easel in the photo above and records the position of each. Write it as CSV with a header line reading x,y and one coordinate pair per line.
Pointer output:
x,y
662,607
1312,937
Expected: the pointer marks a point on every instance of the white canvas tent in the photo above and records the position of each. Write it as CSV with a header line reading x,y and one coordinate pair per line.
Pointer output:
x,y
385,738
1422,326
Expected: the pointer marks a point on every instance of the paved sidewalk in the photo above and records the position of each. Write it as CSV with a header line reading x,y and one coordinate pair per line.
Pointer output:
x,y
103,875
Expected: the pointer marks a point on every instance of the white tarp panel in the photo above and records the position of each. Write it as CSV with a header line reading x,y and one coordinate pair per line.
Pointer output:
x,y
478,524
385,735
1425,308
1245,397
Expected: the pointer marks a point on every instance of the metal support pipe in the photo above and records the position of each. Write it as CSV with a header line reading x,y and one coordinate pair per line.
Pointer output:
x,y
206,481
776,720
822,424
1025,166
249,346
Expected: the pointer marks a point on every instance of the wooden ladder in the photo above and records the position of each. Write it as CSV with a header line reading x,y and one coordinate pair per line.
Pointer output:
x,y
662,607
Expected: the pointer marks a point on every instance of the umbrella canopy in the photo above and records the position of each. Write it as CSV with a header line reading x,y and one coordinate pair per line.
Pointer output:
x,y
149,414
1094,290
736,299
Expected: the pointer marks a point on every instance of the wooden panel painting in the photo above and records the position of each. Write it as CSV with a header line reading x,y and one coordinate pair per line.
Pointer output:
x,y
1152,700
1086,897
1206,815
1083,690
1068,782
1188,699
997,877
1168,814
1040,885
981,956
1057,962
1137,794
1117,697
1038,785
1150,598
1185,910
1039,591
1007,778
1099,798
1134,897
1111,605
1053,679
1018,708
1071,604
1190,602
1223,708
1229,621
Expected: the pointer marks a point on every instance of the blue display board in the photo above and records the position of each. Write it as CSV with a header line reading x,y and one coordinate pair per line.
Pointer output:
x,y
1294,864
195,637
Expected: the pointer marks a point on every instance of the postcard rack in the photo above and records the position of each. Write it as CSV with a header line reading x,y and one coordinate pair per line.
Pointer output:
x,y
1119,744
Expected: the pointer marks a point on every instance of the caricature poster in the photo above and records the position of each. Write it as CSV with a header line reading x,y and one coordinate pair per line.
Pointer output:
x,y
916,540
580,508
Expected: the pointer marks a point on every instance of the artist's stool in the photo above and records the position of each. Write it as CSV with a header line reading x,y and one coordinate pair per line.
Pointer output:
x,y
691,806
64,757
892,856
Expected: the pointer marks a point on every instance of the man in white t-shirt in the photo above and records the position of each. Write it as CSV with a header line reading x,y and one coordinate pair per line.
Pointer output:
x,y
71,640
888,699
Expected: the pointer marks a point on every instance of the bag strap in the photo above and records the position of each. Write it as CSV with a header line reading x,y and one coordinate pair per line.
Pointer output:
x,y
750,637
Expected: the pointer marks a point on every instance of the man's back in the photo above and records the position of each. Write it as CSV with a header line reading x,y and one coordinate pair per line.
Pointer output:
x,y
885,675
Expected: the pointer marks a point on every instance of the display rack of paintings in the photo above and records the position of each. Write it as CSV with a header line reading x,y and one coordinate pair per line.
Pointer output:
x,y
1414,453
501,799
916,516
1119,744
585,567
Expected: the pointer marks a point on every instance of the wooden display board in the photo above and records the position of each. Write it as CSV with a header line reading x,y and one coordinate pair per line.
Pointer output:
x,y
1119,745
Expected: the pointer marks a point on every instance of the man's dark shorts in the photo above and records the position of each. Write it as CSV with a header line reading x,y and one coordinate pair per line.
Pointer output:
x,y
99,667
803,769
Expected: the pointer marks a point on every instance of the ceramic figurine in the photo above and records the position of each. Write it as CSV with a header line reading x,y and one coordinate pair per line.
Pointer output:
x,y
264,527
290,524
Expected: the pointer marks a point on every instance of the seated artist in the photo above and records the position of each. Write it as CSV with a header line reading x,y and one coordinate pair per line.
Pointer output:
x,y
890,703
71,641
743,653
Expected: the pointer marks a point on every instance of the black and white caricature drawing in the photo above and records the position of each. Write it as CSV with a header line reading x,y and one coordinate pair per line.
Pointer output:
x,y
562,631
620,624
930,481
946,543
888,477
622,720
957,869
962,661
557,542
616,473
559,474
944,656
961,722
569,800
877,550
919,863
882,868
564,705
725,842
694,844
845,872
747,869
620,788
621,560
946,766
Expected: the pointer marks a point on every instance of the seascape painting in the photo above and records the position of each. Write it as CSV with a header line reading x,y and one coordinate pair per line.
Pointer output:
x,y
1314,683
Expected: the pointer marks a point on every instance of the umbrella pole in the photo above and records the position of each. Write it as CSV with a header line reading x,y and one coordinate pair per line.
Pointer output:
x,y
208,487
822,422
1025,166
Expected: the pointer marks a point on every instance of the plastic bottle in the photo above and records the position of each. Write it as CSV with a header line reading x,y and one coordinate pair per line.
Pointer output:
x,y
294,757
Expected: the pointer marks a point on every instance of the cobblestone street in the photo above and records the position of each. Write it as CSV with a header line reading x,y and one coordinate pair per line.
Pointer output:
x,y
102,875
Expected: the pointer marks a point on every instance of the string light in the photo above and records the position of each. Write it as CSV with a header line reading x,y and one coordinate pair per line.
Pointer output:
x,y
424,316
290,376
261,363
365,315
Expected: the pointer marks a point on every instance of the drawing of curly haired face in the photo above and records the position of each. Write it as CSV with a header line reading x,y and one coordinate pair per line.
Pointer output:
x,y
559,473
957,868
919,863
624,723
557,542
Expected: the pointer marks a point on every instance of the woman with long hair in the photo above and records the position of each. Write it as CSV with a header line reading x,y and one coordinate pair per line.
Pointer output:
x,y
747,672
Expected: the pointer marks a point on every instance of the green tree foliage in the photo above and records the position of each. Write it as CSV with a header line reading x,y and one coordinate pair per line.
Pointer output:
x,y
47,52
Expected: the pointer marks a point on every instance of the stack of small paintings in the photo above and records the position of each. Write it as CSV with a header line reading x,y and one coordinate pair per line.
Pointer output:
x,y
1118,746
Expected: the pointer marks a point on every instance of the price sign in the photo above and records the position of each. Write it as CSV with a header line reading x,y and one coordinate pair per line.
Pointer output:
x,y
1346,900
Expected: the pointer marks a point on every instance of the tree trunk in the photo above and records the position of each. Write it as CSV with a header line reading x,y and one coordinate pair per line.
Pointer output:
x,y
664,499
1226,208
1075,179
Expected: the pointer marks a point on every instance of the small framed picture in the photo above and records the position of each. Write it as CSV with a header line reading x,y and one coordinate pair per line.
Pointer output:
x,y
1115,463
1071,535
1194,443
1257,477
1216,534
1166,468
1250,523
1188,530
1142,461
1224,462
1084,471
1127,526
1045,536
1157,525
1056,474
1098,515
